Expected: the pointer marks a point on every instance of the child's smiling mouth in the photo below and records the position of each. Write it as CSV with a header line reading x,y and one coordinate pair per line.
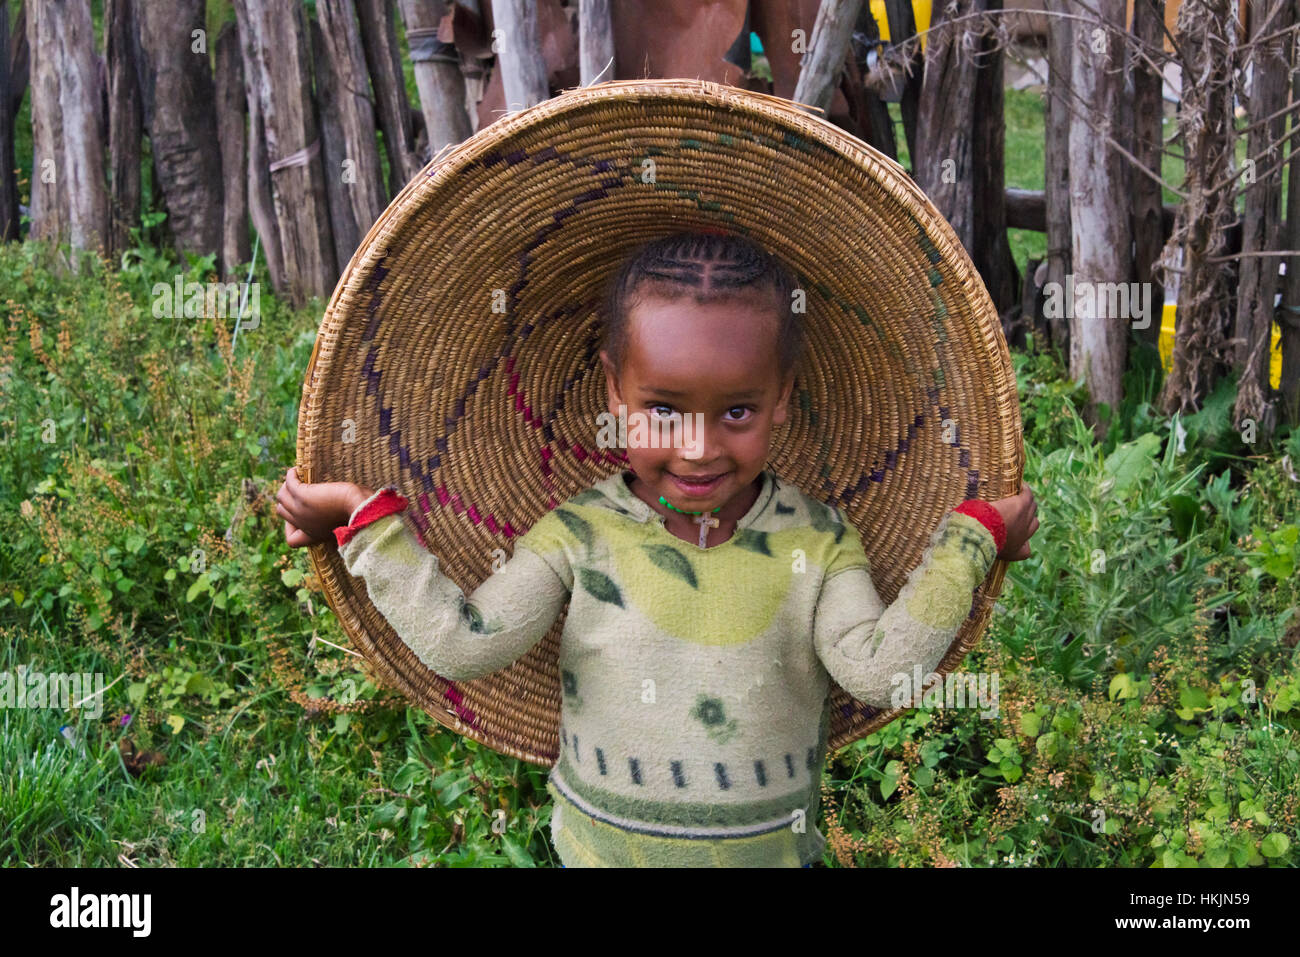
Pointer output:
x,y
697,485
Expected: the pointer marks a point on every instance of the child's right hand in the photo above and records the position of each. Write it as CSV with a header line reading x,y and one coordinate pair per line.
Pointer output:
x,y
311,512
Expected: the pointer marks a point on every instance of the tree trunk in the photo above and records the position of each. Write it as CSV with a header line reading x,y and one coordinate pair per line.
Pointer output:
x,y
1148,136
1056,165
437,74
827,48
274,34
1258,280
1205,119
354,182
125,121
596,42
902,26
379,38
232,108
69,194
519,53
8,180
179,98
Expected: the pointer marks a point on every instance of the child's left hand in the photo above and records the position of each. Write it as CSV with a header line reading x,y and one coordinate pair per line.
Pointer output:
x,y
1020,514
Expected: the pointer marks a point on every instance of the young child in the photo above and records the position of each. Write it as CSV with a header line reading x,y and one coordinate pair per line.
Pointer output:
x,y
710,601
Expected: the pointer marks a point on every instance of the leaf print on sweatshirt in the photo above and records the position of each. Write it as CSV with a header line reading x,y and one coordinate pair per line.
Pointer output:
x,y
600,586
579,527
673,562
713,715
713,596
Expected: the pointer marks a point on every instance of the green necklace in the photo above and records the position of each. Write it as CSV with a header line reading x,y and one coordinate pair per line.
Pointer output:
x,y
664,501
704,521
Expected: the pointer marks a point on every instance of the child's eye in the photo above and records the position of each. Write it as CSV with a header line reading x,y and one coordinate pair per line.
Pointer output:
x,y
743,409
660,405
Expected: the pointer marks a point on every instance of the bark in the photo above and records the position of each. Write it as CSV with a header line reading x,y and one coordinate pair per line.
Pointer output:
x,y
379,38
519,53
1258,280
1099,210
274,36
437,74
179,100
125,122
354,182
232,136
69,193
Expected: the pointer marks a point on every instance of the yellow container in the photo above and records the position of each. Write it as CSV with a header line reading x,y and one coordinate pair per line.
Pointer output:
x,y
1166,344
920,11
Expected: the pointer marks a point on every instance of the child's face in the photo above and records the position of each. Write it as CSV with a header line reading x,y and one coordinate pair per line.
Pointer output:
x,y
719,360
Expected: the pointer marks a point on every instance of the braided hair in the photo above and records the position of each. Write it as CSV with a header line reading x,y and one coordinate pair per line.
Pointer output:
x,y
710,266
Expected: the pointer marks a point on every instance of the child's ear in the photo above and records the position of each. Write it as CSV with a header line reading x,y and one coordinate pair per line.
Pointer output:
x,y
783,401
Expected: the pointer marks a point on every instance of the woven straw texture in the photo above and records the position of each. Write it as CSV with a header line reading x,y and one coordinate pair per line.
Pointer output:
x,y
458,360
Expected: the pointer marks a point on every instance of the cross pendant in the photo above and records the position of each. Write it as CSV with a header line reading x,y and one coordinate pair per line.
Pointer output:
x,y
706,522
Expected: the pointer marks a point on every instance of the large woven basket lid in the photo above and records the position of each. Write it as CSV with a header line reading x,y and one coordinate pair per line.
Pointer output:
x,y
458,355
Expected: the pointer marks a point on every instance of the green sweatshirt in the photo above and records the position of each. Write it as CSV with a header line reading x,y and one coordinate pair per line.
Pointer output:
x,y
696,708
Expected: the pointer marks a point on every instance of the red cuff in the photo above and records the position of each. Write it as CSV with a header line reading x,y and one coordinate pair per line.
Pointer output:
x,y
989,516
387,502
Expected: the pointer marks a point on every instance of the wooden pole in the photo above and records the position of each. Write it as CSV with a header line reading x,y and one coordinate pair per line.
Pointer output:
x,y
232,137
1099,208
379,39
1257,284
179,98
125,121
596,42
827,48
437,74
1056,167
8,180
1288,316
274,34
1148,137
354,182
518,46
902,26
69,192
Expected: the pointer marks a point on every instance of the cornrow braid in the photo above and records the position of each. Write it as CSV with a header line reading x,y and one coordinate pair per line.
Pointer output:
x,y
708,266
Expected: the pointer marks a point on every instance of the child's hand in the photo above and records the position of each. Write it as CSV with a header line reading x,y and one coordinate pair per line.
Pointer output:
x,y
1020,513
311,512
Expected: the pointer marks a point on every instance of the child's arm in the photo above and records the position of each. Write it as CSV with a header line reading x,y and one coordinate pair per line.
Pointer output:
x,y
864,645
458,637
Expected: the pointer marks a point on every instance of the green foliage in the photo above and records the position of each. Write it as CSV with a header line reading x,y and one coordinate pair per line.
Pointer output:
x,y
1146,713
